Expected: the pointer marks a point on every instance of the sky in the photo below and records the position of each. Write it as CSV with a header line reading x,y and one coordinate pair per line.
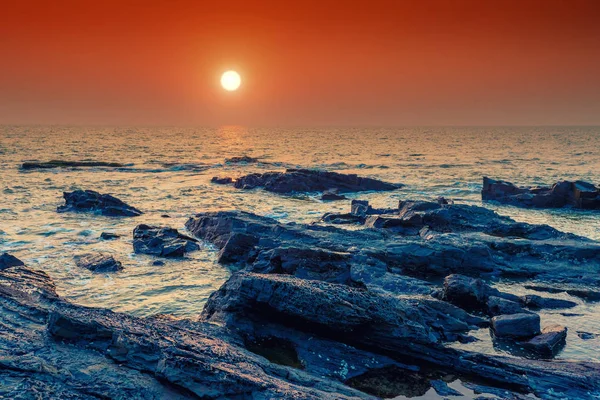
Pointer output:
x,y
303,63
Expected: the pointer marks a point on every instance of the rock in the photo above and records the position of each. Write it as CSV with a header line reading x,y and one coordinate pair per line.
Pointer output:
x,y
587,335
241,160
549,342
66,164
305,180
516,325
105,204
109,236
585,293
98,262
315,264
576,194
165,216
222,181
465,292
500,306
238,248
468,251
8,261
538,302
162,241
52,349
332,195
158,263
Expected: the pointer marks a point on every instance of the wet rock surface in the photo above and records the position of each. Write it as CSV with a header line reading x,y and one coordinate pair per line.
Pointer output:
x,y
578,194
549,342
8,260
91,201
69,164
62,351
98,262
516,325
373,289
308,180
162,241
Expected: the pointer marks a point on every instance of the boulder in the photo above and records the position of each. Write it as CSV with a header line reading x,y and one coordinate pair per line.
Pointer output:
x,y
8,261
98,262
305,180
465,292
162,241
576,194
516,325
105,204
549,342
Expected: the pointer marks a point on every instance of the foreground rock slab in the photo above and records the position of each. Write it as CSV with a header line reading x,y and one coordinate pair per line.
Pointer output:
x,y
162,241
578,194
306,180
92,201
63,351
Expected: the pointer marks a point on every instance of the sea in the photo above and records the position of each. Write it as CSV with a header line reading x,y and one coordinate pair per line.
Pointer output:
x,y
167,175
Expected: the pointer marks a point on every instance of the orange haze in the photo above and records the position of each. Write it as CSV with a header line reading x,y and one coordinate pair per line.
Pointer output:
x,y
304,63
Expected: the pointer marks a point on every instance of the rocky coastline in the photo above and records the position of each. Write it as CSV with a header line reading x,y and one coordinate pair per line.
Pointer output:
x,y
359,304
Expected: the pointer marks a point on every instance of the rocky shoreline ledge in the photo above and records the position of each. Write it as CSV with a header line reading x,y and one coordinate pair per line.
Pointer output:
x,y
315,311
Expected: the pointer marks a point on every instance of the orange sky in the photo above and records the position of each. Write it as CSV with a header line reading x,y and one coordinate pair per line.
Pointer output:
x,y
497,62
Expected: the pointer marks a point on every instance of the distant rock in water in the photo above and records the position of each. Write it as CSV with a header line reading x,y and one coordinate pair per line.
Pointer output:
x,y
306,180
8,261
68,164
89,200
221,181
241,160
162,241
109,236
98,262
578,194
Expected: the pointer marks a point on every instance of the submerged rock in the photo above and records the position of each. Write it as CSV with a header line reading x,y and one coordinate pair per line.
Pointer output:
x,y
8,261
222,181
109,236
516,325
578,194
162,241
241,160
306,180
105,204
67,164
98,262
332,195
549,342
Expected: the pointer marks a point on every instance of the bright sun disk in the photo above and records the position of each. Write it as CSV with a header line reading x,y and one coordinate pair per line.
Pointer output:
x,y
231,80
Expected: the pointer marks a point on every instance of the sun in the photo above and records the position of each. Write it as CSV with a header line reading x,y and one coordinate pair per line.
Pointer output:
x,y
231,80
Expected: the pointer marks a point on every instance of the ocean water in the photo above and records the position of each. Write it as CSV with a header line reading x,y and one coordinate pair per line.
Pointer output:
x,y
169,171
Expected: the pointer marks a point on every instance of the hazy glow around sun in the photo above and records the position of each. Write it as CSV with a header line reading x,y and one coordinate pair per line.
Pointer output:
x,y
231,80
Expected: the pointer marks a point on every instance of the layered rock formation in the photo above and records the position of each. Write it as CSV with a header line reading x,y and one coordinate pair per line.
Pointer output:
x,y
308,180
578,194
